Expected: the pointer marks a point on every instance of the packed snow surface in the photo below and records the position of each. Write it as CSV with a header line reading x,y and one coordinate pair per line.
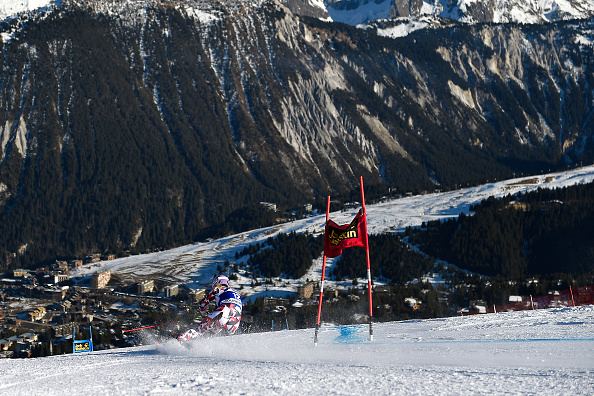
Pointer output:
x,y
542,352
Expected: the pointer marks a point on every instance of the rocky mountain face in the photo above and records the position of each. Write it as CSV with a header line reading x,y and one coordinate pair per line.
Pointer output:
x,y
132,125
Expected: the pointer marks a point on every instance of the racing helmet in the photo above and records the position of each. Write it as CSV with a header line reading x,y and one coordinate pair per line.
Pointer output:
x,y
219,282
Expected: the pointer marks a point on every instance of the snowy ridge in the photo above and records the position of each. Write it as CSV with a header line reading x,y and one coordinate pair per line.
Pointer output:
x,y
195,265
11,8
128,11
353,12
543,352
356,12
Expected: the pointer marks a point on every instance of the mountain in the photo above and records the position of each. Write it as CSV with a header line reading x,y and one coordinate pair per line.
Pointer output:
x,y
515,11
356,12
528,352
135,125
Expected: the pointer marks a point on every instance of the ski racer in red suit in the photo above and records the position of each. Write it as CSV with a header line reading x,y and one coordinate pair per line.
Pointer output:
x,y
226,316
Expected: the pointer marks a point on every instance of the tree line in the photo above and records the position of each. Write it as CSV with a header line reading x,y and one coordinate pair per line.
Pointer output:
x,y
288,254
542,232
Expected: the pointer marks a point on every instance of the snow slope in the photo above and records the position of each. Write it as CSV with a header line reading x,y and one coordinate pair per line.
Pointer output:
x,y
543,352
367,11
500,11
10,8
195,265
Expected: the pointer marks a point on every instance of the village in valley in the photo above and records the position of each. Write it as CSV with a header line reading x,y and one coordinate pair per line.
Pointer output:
x,y
43,311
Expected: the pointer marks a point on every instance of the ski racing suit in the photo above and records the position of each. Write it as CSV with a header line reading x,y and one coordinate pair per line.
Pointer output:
x,y
226,316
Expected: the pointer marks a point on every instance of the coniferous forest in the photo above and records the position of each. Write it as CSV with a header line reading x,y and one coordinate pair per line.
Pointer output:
x,y
287,254
542,232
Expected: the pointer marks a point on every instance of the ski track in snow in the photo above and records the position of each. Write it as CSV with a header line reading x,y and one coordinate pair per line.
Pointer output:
x,y
542,352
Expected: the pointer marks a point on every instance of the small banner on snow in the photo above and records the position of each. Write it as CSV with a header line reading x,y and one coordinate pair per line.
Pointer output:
x,y
338,237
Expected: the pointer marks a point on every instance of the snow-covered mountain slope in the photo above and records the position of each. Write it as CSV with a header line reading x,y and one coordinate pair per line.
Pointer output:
x,y
356,12
359,12
10,8
468,11
530,11
516,11
543,352
195,265
413,15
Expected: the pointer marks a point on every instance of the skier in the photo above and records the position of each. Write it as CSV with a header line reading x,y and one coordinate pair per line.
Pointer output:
x,y
226,316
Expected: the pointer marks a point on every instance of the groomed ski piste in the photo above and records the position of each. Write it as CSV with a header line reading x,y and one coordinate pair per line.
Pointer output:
x,y
541,352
